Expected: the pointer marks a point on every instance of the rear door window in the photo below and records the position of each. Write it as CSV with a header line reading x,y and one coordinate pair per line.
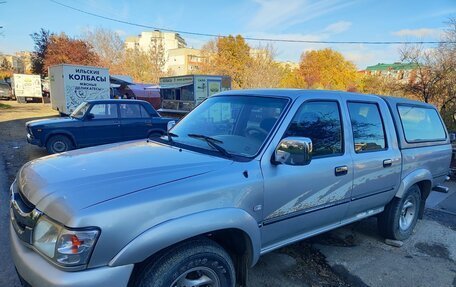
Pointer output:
x,y
367,125
130,111
144,113
421,124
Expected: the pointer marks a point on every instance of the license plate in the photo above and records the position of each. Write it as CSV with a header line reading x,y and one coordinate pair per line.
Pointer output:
x,y
29,99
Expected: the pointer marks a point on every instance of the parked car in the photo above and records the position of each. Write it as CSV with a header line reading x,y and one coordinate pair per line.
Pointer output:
x,y
95,123
243,174
5,91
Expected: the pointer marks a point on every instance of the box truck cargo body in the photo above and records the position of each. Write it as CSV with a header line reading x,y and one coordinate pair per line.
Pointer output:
x,y
181,94
70,85
27,88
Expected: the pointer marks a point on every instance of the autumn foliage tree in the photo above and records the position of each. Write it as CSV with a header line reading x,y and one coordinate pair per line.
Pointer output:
x,y
291,78
327,69
6,70
65,50
227,56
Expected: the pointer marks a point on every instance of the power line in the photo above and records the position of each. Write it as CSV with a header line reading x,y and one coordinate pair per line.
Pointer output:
x,y
253,38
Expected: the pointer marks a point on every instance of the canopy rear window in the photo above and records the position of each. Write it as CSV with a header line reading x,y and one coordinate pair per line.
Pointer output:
x,y
421,124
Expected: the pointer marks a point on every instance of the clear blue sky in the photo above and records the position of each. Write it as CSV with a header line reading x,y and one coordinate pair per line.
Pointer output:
x,y
331,20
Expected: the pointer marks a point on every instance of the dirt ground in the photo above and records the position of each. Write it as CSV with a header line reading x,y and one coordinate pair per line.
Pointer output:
x,y
14,147
313,262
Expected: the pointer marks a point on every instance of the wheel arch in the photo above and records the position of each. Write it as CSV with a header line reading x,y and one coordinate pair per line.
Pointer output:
x,y
60,132
220,225
423,179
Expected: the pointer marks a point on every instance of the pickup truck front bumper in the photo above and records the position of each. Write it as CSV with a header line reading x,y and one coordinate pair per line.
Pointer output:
x,y
38,272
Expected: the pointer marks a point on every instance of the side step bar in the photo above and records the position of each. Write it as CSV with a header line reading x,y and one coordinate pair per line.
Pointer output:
x,y
441,188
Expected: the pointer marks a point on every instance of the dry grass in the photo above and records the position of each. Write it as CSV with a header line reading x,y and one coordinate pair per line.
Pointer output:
x,y
11,110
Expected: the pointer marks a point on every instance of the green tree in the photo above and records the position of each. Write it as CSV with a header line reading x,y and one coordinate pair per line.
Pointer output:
x,y
41,40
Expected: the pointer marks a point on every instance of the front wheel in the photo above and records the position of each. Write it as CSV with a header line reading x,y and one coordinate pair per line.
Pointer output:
x,y
58,144
199,262
400,215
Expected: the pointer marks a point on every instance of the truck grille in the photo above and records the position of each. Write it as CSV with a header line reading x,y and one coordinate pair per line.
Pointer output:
x,y
23,214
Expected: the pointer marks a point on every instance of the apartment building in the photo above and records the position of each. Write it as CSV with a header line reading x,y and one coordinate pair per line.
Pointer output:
x,y
143,41
183,61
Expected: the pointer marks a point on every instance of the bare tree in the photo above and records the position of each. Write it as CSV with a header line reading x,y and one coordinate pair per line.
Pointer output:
x,y
263,71
425,77
109,47
434,80
446,59
157,59
146,66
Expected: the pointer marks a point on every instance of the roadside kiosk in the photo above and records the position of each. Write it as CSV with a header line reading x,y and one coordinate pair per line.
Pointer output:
x,y
181,94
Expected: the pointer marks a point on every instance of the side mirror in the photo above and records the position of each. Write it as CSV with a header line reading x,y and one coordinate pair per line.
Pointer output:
x,y
170,125
90,116
293,151
452,137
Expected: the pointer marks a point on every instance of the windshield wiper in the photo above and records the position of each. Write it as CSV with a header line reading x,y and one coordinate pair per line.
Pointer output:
x,y
212,142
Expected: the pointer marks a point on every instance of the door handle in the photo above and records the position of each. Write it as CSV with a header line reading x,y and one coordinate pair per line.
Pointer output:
x,y
387,163
341,170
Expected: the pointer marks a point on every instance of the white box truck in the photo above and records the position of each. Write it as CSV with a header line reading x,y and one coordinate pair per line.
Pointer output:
x,y
27,88
70,85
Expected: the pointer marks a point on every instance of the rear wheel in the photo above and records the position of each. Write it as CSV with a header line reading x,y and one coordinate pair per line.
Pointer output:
x,y
58,144
199,262
400,215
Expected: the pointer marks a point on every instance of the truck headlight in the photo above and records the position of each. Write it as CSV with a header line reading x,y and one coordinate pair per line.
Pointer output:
x,y
66,247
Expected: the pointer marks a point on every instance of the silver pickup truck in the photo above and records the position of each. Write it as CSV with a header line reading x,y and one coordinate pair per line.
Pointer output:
x,y
243,174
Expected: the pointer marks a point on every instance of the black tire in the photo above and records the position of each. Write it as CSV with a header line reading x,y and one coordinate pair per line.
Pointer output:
x,y
58,144
155,135
397,221
203,256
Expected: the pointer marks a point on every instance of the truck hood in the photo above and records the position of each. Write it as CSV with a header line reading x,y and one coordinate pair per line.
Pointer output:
x,y
49,121
82,178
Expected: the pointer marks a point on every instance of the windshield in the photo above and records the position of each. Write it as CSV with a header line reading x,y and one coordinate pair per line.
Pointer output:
x,y
80,110
237,124
4,87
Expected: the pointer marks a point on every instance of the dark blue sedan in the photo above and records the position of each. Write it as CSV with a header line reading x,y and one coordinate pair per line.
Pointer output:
x,y
97,122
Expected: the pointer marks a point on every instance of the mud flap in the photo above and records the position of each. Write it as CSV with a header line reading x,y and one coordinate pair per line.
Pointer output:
x,y
242,270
